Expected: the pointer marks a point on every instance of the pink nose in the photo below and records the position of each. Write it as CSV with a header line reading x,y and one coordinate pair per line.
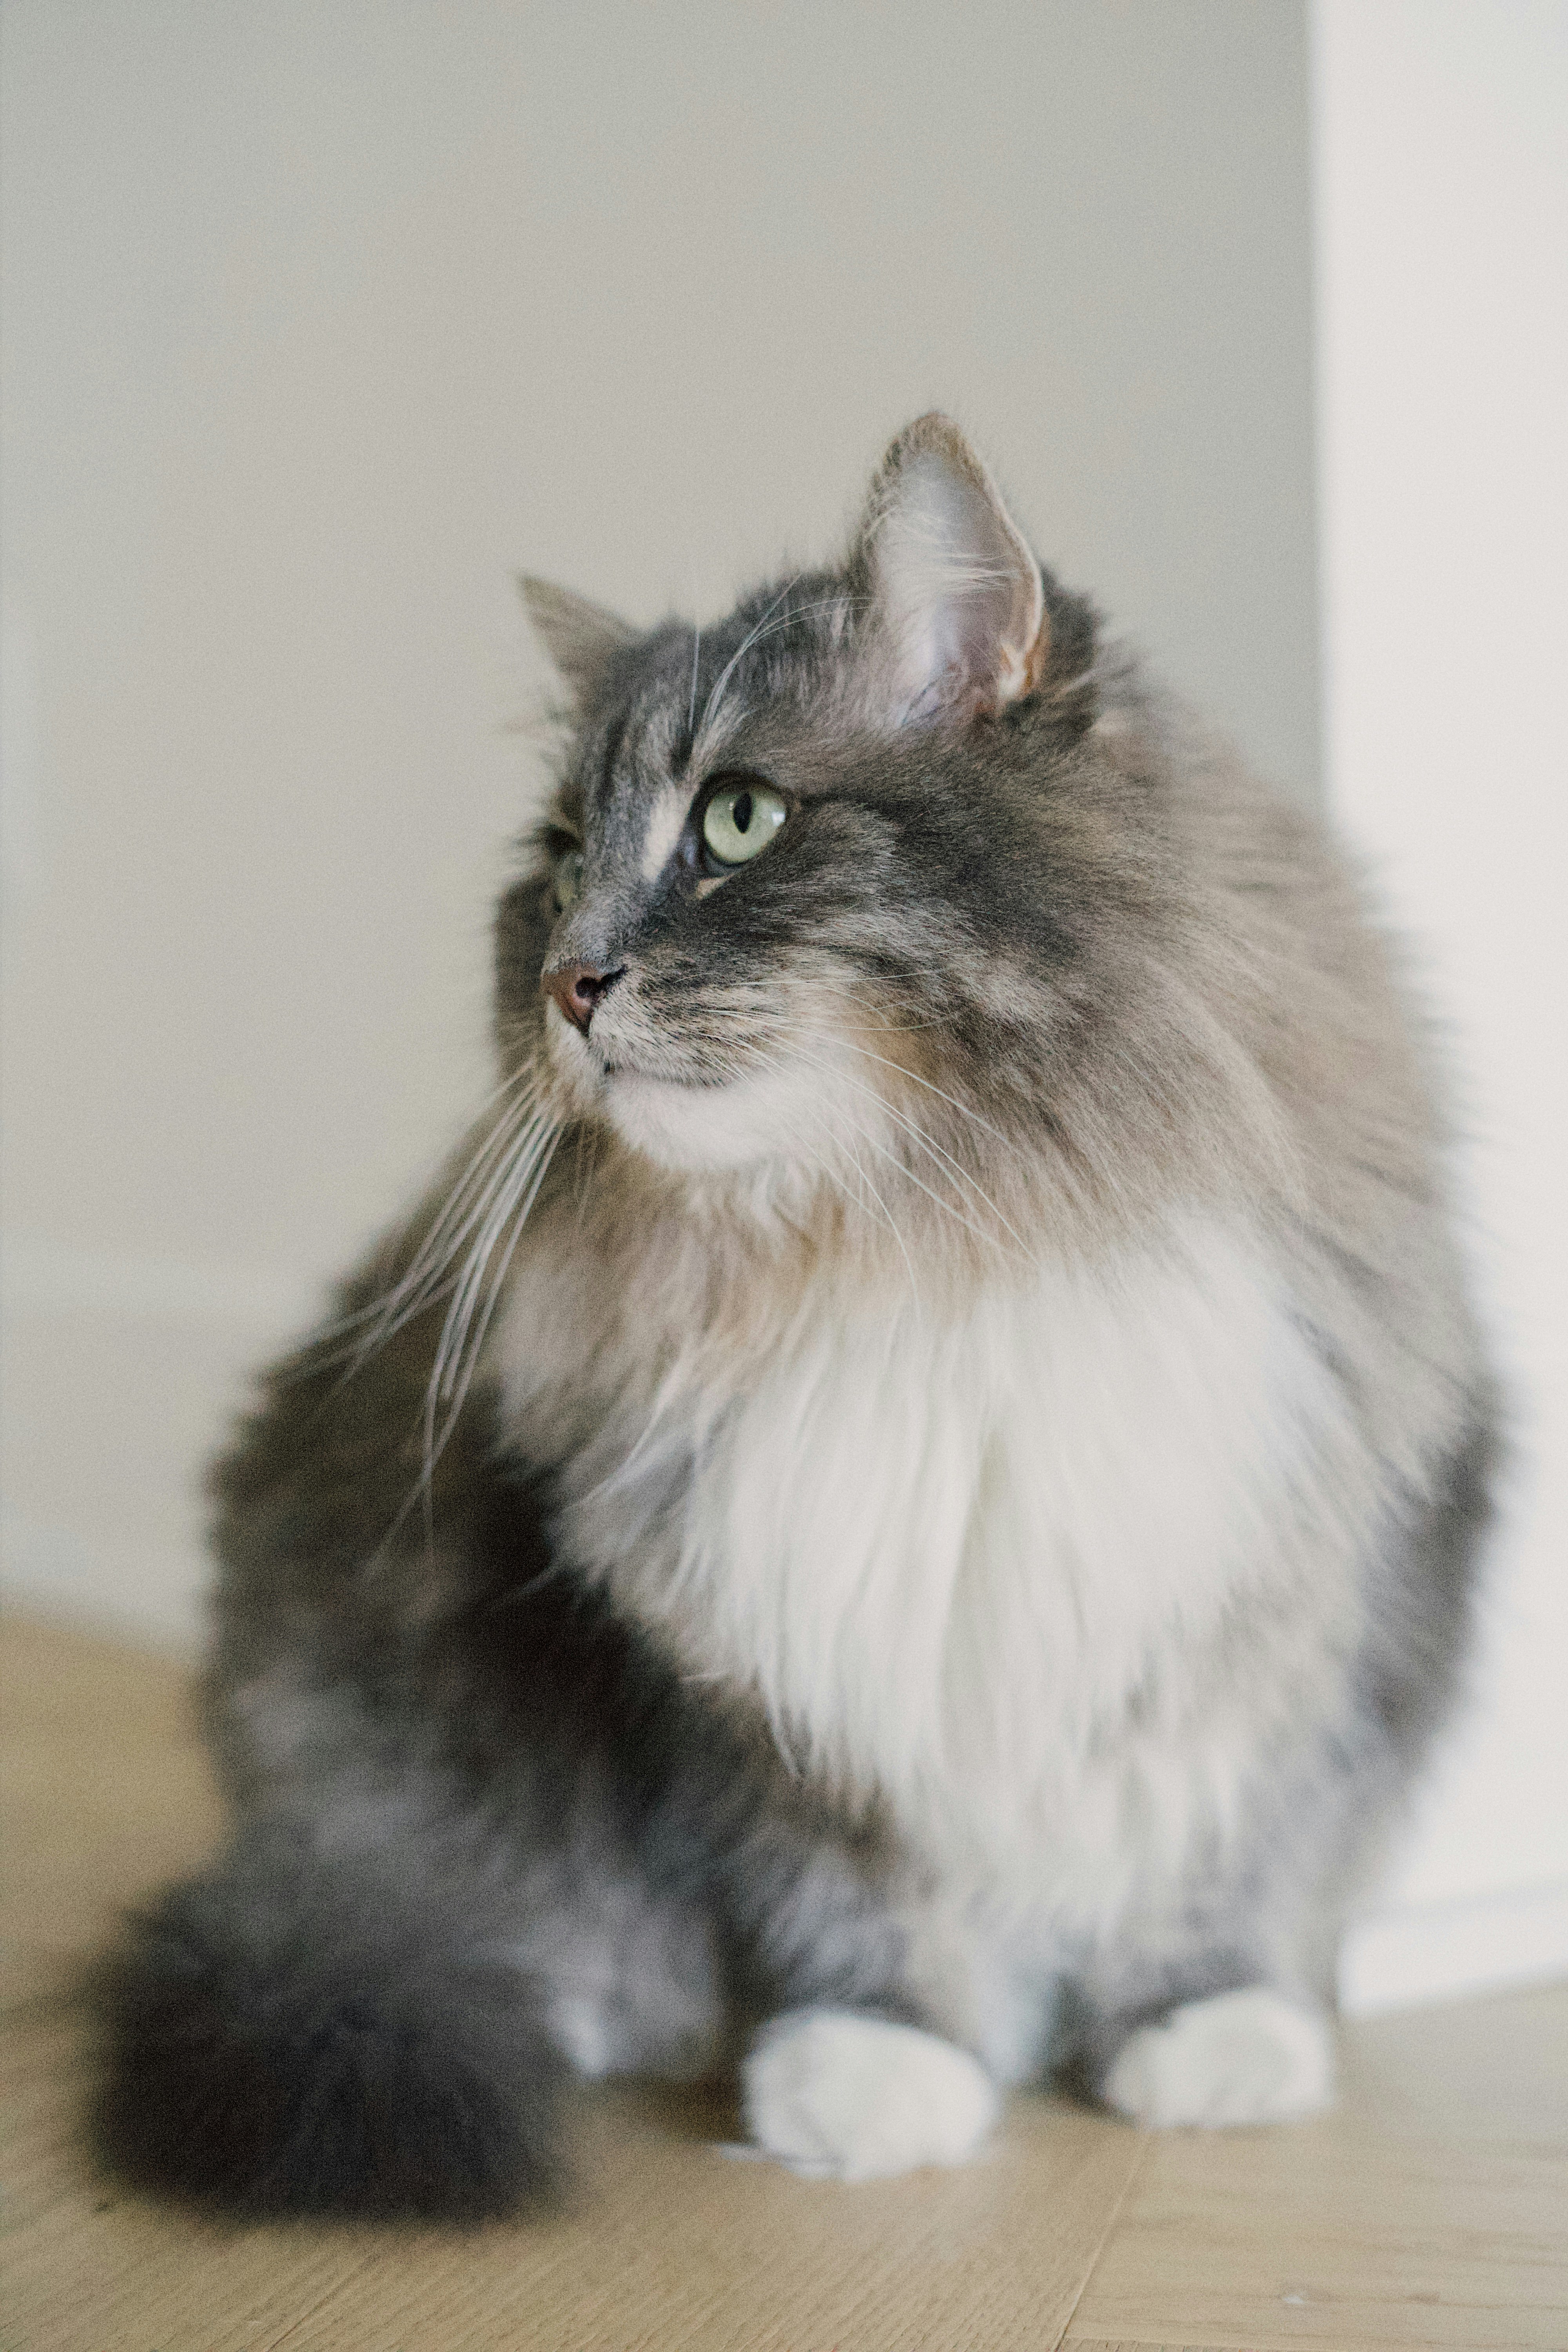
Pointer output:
x,y
577,988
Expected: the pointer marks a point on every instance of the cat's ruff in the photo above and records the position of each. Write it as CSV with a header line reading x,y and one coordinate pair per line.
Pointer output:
x,y
944,1550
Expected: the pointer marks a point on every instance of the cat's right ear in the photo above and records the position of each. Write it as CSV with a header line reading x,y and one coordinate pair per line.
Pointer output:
x,y
579,635
959,602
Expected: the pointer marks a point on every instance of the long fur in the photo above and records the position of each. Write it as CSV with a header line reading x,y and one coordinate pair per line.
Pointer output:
x,y
299,2035
925,1471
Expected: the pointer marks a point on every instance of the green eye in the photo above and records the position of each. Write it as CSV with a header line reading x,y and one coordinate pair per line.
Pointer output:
x,y
567,879
741,819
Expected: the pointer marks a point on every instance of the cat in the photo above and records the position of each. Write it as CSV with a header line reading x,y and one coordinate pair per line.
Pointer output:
x,y
903,1516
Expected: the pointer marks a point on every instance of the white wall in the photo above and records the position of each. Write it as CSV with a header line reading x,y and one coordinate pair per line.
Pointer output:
x,y
1441,174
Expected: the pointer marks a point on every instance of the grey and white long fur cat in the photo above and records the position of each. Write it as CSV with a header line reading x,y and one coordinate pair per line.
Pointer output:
x,y
904,1514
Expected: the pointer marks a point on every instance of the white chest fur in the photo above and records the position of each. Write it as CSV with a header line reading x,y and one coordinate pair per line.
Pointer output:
x,y
980,1567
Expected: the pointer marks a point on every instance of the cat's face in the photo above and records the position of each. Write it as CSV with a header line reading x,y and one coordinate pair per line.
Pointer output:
x,y
792,908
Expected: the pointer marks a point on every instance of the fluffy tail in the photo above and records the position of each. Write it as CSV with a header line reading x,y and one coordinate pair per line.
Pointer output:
x,y
291,2034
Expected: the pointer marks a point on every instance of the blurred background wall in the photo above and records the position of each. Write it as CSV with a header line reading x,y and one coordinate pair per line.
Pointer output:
x,y
1440,200
322,318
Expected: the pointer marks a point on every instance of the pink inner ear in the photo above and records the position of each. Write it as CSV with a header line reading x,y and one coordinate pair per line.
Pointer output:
x,y
960,592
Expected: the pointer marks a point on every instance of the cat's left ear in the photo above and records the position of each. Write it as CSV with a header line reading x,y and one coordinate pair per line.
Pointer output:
x,y
581,638
959,609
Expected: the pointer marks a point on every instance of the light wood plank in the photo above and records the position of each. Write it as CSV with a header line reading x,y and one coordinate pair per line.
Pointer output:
x,y
106,1793
666,2242
1431,2208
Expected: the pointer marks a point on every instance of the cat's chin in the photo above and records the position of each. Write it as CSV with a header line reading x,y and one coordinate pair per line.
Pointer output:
x,y
698,1130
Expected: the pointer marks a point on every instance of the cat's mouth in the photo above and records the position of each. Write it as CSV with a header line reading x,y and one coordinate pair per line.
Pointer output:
x,y
624,1042
626,1067
725,1093
686,1111
599,1064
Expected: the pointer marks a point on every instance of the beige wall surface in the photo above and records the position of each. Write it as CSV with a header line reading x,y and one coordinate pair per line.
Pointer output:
x,y
321,316
1442,213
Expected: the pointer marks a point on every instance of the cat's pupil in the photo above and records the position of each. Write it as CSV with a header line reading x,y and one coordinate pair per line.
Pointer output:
x,y
741,814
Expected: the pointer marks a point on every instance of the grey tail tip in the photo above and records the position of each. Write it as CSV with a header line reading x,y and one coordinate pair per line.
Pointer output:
x,y
350,2065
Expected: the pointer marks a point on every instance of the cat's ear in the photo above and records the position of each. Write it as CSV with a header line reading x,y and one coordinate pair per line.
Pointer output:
x,y
959,607
579,637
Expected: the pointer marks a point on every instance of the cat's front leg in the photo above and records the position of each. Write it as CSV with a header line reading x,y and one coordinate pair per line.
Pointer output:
x,y
844,2095
867,1998
1250,2056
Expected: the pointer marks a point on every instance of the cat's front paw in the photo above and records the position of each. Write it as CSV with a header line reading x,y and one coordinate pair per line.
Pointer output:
x,y
1249,2057
832,2094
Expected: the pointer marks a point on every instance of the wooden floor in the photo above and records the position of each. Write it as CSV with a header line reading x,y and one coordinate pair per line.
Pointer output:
x,y
1431,2210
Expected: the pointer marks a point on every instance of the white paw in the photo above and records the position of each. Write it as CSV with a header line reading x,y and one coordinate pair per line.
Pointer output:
x,y
1249,2057
830,2093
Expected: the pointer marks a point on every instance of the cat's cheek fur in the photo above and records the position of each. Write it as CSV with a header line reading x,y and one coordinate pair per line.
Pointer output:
x,y
841,2096
1245,2057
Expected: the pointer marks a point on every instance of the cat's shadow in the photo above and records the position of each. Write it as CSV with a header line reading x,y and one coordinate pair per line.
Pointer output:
x,y
700,2114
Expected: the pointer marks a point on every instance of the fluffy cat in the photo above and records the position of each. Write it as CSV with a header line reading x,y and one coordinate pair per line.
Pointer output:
x,y
906,1511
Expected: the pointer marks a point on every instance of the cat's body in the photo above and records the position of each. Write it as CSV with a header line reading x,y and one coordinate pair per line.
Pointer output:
x,y
941,1520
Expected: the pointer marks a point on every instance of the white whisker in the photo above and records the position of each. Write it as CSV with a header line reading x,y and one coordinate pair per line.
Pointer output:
x,y
747,641
766,628
963,1108
430,1277
894,1160
477,1256
459,1348
947,1207
495,1143
926,1141
776,1062
458,1389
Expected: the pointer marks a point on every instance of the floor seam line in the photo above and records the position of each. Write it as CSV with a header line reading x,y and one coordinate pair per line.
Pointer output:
x,y
1112,2218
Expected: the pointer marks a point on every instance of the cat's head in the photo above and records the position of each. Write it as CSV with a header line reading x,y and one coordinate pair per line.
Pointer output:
x,y
819,895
